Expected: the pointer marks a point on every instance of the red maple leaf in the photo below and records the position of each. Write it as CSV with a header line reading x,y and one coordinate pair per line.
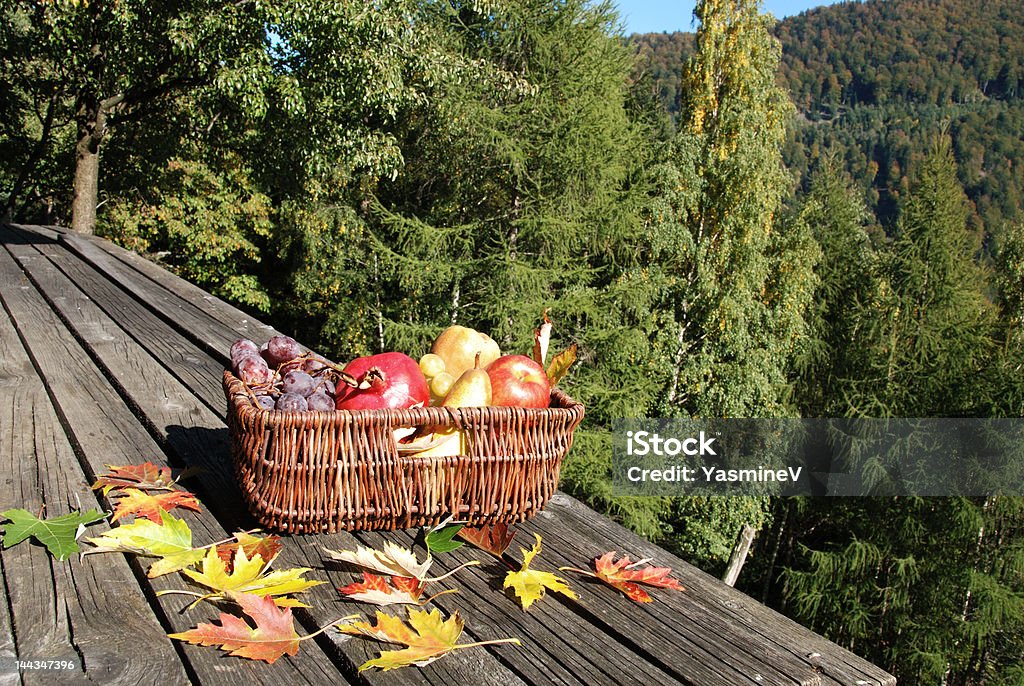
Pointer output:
x,y
494,539
148,505
272,636
146,476
267,547
382,590
625,576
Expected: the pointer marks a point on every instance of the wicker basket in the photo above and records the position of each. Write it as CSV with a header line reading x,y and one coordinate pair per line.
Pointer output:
x,y
304,472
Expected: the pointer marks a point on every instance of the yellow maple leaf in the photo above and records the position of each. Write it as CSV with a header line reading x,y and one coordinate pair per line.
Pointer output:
x,y
170,540
427,637
530,585
250,576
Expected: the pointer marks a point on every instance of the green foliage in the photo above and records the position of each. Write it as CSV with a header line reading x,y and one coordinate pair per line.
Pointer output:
x,y
733,280
95,68
834,351
932,340
933,594
58,534
203,223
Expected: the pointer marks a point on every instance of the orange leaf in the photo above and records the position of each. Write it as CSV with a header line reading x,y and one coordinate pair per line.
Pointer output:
x,y
144,476
494,539
267,547
401,590
624,576
142,504
272,636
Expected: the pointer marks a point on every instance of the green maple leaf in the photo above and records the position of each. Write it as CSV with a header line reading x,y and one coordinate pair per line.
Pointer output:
x,y
58,534
440,540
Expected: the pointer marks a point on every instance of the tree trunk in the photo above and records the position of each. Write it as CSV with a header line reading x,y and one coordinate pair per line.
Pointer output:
x,y
739,555
91,128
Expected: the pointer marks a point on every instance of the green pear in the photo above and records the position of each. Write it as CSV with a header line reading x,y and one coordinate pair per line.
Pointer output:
x,y
472,389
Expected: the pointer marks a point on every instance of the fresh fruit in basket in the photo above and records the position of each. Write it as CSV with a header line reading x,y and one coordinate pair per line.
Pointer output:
x,y
384,381
518,381
472,389
458,346
300,383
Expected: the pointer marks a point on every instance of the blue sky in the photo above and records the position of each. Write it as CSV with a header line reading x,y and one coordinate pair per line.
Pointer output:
x,y
646,16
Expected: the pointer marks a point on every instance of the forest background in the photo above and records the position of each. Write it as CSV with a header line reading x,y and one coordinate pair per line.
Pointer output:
x,y
817,217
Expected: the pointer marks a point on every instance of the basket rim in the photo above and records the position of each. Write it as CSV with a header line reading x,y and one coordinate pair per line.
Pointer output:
x,y
564,406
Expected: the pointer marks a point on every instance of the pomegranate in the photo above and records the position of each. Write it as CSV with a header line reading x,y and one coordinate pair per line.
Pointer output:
x,y
384,381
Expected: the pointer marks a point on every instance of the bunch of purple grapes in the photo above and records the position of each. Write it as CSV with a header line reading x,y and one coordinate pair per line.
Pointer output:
x,y
282,376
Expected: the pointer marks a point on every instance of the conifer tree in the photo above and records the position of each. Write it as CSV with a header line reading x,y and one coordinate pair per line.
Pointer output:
x,y
929,588
933,327
834,351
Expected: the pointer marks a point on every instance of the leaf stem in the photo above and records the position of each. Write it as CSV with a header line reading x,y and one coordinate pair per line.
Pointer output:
x,y
471,563
576,569
327,626
496,641
431,598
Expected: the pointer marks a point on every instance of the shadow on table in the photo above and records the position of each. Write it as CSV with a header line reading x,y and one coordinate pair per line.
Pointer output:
x,y
209,451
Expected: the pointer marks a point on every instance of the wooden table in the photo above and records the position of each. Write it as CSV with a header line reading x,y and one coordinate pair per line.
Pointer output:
x,y
106,358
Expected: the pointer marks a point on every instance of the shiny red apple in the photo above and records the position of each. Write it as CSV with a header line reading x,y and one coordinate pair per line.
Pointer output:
x,y
518,381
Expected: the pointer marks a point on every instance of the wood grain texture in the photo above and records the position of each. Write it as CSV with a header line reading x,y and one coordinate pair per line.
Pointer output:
x,y
107,432
90,612
592,536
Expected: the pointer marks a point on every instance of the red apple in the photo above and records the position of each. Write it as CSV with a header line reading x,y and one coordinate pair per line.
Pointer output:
x,y
518,381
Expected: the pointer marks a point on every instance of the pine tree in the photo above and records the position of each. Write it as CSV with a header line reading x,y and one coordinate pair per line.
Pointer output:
x,y
929,588
933,327
833,352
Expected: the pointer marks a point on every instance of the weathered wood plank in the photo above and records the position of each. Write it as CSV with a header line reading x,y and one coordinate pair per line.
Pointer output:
x,y
557,643
9,675
688,626
90,613
596,535
193,366
733,621
199,437
106,431
186,307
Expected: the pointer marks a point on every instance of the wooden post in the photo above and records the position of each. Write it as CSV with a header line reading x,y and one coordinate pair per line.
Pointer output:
x,y
739,555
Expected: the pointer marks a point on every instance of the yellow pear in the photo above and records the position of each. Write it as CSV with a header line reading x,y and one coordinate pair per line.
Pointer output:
x,y
472,389
459,345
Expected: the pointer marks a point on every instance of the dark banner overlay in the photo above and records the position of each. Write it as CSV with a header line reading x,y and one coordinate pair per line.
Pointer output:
x,y
821,457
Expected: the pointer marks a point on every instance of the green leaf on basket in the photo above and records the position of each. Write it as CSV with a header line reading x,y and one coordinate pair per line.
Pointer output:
x,y
442,540
59,534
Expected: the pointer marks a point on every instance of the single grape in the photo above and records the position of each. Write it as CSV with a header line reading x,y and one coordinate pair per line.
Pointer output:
x,y
325,385
280,349
315,363
297,382
241,348
431,365
441,384
253,371
265,402
320,401
292,402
